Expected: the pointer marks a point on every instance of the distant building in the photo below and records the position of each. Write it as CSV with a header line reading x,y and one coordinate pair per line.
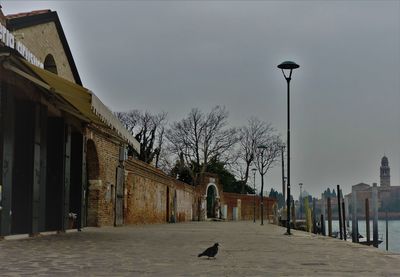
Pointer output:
x,y
385,172
388,196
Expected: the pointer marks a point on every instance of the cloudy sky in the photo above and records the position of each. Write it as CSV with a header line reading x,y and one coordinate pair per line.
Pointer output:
x,y
175,55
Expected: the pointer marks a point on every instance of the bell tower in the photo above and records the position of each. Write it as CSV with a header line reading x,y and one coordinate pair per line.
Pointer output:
x,y
385,172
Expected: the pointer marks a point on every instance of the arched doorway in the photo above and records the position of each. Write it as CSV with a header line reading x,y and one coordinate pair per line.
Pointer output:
x,y
212,199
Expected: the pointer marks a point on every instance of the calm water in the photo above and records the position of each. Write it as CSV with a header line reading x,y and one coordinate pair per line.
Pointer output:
x,y
393,227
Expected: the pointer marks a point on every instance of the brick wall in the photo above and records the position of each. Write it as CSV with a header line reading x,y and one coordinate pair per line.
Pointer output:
x,y
150,196
102,160
146,196
247,205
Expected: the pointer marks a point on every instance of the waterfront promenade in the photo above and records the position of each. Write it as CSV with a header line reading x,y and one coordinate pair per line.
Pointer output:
x,y
247,249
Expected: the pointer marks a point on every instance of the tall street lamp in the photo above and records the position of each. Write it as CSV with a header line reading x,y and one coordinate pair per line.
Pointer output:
x,y
254,185
288,66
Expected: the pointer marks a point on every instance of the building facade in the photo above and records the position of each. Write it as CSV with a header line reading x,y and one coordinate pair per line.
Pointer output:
x,y
63,152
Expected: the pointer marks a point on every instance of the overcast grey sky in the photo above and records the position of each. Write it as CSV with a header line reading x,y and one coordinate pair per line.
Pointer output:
x,y
175,55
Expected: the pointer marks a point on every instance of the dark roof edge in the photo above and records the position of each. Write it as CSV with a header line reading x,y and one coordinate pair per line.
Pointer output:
x,y
32,20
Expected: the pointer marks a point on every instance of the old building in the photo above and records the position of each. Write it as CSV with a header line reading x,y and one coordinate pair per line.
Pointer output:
x,y
62,151
60,147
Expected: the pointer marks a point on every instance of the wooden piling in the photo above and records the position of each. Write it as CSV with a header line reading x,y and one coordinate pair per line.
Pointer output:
x,y
339,213
375,207
354,226
346,204
314,216
323,214
368,233
387,232
344,221
329,217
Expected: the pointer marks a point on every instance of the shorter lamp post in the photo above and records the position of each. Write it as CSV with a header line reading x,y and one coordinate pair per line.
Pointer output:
x,y
254,185
301,200
262,148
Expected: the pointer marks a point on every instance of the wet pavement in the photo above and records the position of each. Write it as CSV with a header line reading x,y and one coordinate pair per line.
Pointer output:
x,y
246,249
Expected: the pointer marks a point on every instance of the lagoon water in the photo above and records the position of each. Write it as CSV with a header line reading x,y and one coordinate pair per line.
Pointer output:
x,y
393,227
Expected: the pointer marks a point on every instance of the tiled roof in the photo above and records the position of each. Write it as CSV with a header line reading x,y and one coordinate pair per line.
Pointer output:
x,y
18,15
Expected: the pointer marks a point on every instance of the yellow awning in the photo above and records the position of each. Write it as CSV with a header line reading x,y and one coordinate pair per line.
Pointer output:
x,y
78,96
88,105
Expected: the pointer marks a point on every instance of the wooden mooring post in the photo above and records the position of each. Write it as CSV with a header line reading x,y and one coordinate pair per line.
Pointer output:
x,y
375,207
323,215
387,232
314,216
329,217
344,221
368,233
339,212
354,229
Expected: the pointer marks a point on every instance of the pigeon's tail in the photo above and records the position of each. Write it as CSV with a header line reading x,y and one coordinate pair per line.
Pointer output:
x,y
200,255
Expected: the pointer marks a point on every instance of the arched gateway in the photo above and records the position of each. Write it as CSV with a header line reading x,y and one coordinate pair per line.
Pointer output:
x,y
212,199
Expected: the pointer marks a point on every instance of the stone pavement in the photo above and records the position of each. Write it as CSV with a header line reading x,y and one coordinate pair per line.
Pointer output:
x,y
247,249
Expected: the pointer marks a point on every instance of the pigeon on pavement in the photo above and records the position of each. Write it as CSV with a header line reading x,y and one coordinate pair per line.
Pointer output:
x,y
210,252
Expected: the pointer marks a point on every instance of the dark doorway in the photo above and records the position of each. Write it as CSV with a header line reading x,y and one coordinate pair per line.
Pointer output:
x,y
75,192
211,201
55,174
21,219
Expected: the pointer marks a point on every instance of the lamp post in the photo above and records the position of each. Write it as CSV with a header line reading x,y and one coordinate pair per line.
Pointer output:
x,y
301,200
254,184
283,170
262,148
288,66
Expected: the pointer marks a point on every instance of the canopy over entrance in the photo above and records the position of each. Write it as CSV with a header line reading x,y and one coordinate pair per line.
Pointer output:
x,y
85,104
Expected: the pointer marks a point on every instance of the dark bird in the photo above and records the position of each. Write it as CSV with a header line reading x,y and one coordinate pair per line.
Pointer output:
x,y
210,251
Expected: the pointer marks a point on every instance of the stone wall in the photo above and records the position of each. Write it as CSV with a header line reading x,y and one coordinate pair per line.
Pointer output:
x,y
42,40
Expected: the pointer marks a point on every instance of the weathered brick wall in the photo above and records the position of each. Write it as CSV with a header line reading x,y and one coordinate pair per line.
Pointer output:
x,y
146,196
101,191
186,199
42,40
247,205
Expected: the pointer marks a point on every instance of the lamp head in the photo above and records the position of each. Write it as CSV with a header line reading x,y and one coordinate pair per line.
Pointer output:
x,y
288,65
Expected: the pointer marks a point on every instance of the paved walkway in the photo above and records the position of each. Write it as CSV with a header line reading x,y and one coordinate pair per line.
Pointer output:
x,y
247,249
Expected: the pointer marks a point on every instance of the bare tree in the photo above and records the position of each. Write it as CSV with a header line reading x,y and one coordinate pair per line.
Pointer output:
x,y
266,156
148,129
255,133
200,138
